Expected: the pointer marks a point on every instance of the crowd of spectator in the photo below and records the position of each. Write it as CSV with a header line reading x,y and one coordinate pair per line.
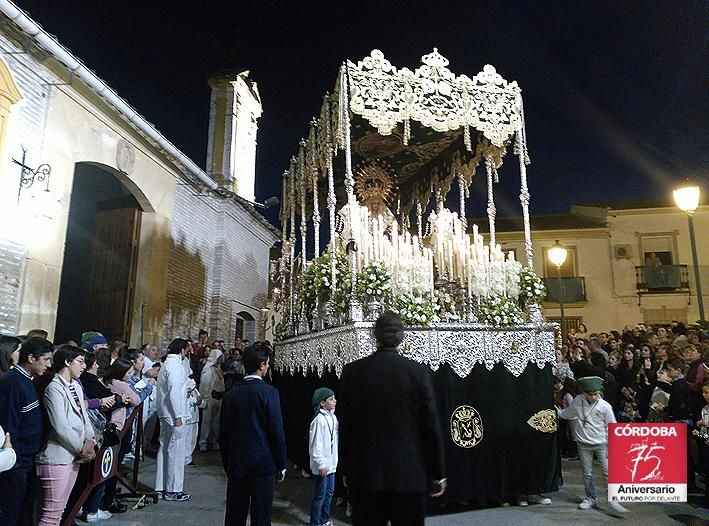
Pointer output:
x,y
60,405
650,374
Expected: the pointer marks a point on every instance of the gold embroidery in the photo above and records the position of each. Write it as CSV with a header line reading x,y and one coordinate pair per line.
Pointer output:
x,y
544,421
466,427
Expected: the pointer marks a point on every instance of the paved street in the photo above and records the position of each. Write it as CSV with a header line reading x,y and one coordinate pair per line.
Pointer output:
x,y
206,482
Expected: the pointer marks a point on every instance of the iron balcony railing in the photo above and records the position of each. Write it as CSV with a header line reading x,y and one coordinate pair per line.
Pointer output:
x,y
572,289
662,278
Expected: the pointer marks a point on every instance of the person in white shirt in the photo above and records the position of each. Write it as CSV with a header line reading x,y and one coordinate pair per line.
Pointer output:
x,y
322,446
593,414
193,399
172,406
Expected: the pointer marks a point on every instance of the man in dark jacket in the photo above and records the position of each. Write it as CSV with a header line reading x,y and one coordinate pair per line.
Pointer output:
x,y
252,442
390,439
21,416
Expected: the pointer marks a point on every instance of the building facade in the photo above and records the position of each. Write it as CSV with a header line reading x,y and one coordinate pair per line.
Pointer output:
x,y
105,224
627,263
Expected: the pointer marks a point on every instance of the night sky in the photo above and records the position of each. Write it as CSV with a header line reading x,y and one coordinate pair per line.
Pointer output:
x,y
615,92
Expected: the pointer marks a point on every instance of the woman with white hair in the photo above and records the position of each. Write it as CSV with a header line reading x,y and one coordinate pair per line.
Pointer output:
x,y
211,387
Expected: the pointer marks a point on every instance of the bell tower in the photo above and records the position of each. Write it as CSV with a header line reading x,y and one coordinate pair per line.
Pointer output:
x,y
234,109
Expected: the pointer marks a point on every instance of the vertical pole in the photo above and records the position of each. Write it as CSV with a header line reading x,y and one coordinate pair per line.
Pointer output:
x,y
355,306
695,262
303,189
316,199
331,200
561,304
461,211
491,211
524,196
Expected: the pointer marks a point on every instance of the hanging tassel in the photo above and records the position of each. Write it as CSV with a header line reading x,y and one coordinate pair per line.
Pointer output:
x,y
407,129
466,138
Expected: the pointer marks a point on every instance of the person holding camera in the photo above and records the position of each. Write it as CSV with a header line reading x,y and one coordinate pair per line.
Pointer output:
x,y
70,439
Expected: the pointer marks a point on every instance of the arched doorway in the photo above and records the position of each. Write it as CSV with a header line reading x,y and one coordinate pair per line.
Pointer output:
x,y
246,327
100,255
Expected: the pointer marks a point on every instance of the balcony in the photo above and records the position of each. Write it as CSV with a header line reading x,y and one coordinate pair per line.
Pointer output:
x,y
572,290
662,278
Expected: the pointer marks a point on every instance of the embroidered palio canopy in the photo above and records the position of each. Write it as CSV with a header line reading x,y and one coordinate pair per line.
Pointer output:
x,y
420,130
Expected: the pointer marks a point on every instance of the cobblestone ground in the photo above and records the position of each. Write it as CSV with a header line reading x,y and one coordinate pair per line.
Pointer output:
x,y
206,482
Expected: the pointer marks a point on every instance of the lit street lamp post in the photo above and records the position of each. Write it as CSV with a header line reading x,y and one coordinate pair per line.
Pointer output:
x,y
687,199
557,255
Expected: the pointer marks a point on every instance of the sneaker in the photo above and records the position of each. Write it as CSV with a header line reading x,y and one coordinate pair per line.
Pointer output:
x,y
117,506
176,496
522,501
588,503
539,499
100,515
617,507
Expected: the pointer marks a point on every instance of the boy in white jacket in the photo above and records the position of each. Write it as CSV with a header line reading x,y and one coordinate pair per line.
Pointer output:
x,y
593,414
322,445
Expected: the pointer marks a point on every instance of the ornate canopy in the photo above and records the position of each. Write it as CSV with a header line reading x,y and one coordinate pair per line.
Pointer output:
x,y
428,126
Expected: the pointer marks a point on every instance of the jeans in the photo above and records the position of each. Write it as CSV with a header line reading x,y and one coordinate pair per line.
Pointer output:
x,y
17,491
57,482
322,500
94,499
586,457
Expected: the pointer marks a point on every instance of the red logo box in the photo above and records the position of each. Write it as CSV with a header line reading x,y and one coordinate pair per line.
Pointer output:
x,y
647,462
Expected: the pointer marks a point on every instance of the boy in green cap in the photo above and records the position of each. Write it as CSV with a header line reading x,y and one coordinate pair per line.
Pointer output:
x,y
322,445
593,414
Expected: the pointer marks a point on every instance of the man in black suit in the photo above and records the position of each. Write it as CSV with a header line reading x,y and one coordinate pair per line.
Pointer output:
x,y
252,443
390,437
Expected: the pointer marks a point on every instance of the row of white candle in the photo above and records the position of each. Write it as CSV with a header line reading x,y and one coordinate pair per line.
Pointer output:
x,y
454,253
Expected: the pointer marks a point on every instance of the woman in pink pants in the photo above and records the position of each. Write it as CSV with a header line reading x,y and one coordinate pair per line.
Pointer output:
x,y
70,440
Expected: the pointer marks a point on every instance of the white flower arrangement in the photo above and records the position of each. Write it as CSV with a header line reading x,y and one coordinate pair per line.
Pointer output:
x,y
374,282
531,286
316,282
415,311
501,311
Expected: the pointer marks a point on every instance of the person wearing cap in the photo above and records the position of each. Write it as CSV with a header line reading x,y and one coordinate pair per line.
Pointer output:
x,y
593,414
391,451
322,446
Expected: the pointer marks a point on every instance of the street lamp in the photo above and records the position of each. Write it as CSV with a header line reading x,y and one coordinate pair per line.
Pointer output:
x,y
557,255
687,199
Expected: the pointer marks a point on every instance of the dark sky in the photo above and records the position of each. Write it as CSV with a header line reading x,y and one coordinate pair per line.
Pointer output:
x,y
615,92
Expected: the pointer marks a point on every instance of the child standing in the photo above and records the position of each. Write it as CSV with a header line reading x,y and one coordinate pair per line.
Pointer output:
x,y
593,414
323,440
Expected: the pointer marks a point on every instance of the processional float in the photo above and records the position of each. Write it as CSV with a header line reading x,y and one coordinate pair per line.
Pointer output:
x,y
387,149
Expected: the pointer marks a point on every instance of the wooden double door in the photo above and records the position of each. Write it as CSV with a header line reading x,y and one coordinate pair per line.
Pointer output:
x,y
116,239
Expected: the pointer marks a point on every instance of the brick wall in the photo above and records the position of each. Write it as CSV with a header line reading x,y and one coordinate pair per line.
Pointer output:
x,y
12,259
25,128
218,266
